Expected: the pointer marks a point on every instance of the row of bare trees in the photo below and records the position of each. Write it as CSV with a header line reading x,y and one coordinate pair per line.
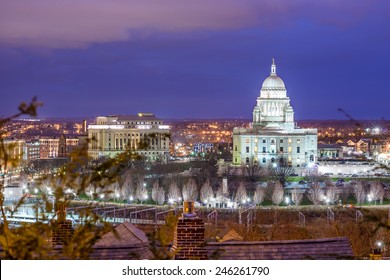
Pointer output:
x,y
130,185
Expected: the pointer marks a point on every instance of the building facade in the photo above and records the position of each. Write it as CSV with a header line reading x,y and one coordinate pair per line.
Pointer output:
x,y
144,134
273,133
54,147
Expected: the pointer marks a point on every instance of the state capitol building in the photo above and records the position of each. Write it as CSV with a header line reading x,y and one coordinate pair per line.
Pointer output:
x,y
273,133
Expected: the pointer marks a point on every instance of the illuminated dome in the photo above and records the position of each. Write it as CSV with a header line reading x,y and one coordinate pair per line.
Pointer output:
x,y
273,86
273,82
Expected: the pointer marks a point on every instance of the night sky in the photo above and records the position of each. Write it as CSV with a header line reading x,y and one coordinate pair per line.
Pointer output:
x,y
194,59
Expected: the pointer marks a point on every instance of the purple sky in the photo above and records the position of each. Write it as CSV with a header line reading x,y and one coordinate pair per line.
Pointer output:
x,y
194,59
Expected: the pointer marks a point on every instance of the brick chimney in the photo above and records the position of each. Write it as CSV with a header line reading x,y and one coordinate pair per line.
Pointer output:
x,y
188,243
62,229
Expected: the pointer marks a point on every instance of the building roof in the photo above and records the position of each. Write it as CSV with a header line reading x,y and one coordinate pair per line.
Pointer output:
x,y
318,249
129,242
125,242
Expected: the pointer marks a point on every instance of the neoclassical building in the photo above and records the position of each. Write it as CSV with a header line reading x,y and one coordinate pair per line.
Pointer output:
x,y
273,133
112,135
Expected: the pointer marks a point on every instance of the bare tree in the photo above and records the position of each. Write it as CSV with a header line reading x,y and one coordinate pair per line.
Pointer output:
x,y
174,192
127,185
359,192
160,199
332,194
190,190
241,195
281,172
259,195
141,192
377,191
316,194
155,190
296,197
113,189
206,192
277,193
253,171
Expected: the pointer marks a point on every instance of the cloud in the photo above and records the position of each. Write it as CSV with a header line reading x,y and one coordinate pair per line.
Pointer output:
x,y
79,23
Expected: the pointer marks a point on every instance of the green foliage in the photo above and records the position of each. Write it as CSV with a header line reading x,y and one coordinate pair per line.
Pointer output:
x,y
161,240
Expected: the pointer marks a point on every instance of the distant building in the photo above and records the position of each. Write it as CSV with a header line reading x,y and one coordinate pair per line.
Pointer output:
x,y
54,147
144,134
273,134
203,147
32,150
330,151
